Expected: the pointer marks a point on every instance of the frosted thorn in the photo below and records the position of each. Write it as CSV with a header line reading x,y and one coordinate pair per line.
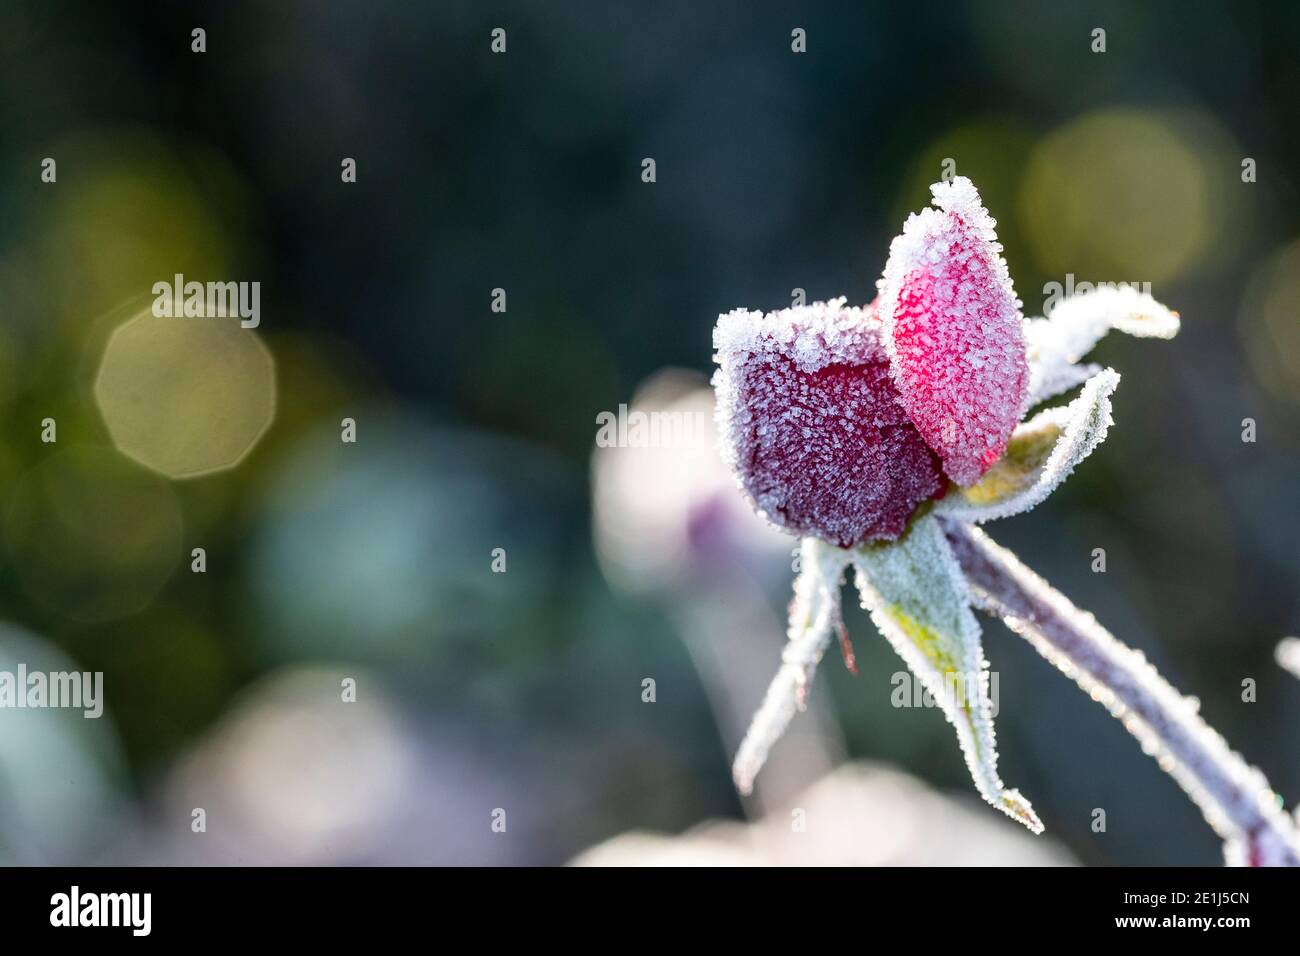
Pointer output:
x,y
846,648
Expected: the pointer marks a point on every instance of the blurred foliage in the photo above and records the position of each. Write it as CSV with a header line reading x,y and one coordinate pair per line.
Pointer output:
x,y
522,171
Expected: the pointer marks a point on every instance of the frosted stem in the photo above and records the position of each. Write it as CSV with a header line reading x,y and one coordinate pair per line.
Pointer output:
x,y
1235,798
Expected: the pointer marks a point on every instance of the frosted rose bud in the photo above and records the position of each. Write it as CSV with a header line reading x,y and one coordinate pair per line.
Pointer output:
x,y
812,424
953,330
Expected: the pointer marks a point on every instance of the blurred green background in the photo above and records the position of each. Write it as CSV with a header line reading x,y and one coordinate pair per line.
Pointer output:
x,y
475,429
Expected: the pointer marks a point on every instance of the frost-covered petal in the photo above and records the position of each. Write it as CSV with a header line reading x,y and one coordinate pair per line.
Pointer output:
x,y
1055,344
919,600
1040,455
812,426
814,618
954,332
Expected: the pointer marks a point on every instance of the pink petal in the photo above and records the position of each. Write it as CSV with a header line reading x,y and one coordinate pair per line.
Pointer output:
x,y
812,425
954,332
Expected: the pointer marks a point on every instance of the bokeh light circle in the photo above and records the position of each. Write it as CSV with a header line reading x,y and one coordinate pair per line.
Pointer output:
x,y
61,774
1120,195
185,396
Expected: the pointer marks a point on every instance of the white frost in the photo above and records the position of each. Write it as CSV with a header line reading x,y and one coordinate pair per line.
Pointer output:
x,y
1055,344
1026,475
919,600
814,336
953,330
814,618
1235,797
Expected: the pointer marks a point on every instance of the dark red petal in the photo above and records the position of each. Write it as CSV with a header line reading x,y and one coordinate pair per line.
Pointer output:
x,y
814,427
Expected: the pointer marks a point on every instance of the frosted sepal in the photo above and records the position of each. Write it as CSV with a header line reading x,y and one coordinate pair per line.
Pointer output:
x,y
814,618
919,601
1055,344
1041,454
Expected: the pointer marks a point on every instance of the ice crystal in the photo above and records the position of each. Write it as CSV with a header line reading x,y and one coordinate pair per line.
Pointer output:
x,y
1055,344
1040,455
953,331
919,601
812,425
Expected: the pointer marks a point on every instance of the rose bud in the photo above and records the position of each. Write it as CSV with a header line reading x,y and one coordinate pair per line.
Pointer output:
x,y
954,333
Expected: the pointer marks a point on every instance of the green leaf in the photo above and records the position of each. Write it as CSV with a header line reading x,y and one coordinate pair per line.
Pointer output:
x,y
920,602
